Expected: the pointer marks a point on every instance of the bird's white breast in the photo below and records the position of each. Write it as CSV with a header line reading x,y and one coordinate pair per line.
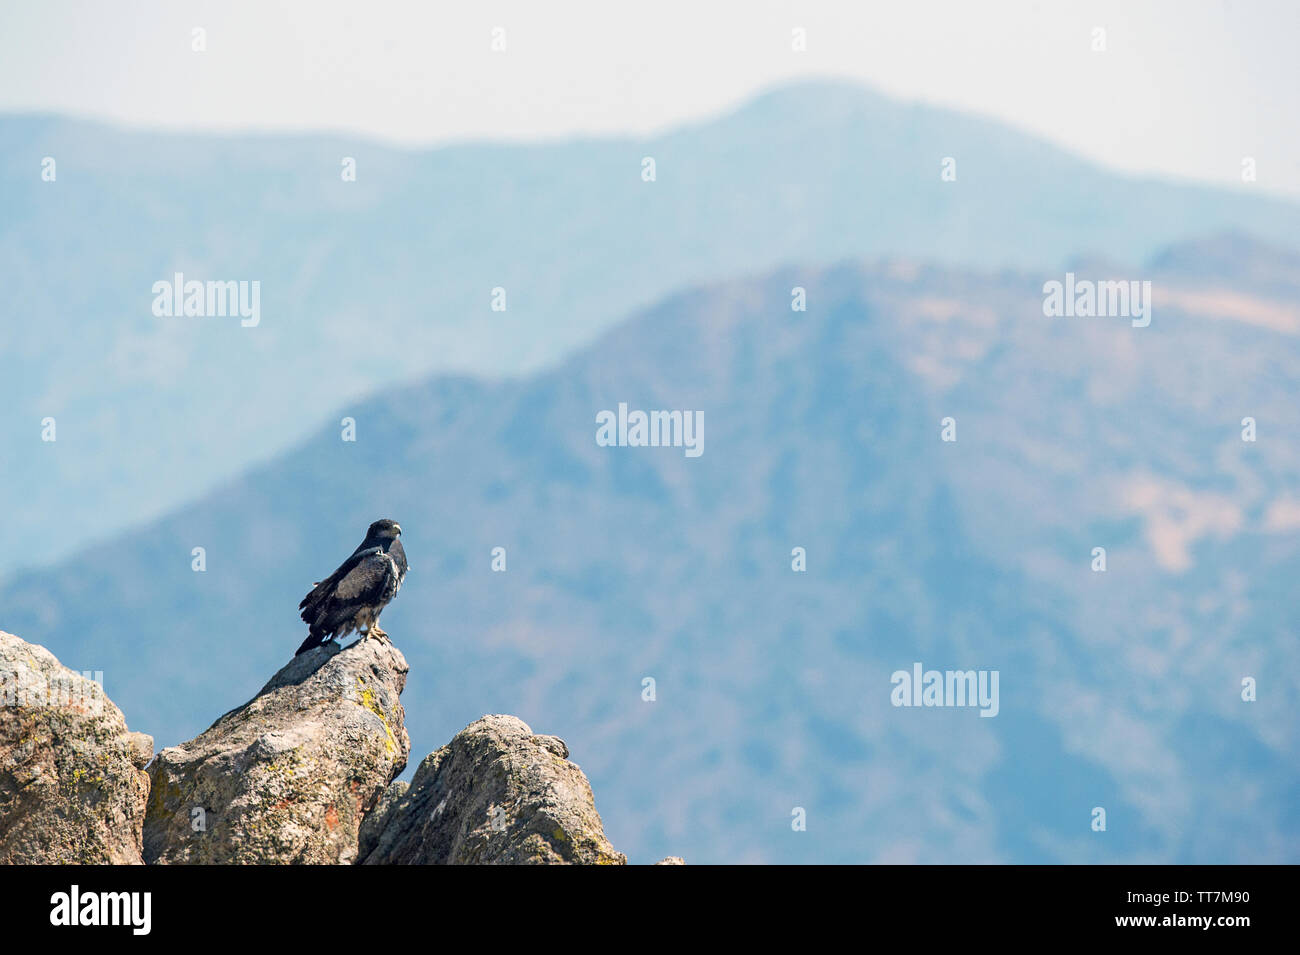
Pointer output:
x,y
392,566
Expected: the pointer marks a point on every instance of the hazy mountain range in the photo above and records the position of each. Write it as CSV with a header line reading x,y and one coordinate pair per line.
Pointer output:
x,y
369,284
822,430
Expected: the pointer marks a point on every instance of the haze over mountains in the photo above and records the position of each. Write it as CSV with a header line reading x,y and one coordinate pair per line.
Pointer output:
x,y
1119,689
377,282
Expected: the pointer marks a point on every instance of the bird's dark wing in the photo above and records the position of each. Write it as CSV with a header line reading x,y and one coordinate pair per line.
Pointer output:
x,y
325,589
366,582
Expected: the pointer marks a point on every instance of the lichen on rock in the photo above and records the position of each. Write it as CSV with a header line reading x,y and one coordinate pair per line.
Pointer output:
x,y
289,776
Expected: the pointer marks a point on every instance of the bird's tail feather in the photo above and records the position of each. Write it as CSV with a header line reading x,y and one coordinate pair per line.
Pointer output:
x,y
313,640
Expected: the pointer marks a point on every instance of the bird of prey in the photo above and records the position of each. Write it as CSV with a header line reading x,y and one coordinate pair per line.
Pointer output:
x,y
353,596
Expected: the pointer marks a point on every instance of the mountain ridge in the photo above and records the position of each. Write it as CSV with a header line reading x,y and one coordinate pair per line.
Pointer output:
x,y
389,278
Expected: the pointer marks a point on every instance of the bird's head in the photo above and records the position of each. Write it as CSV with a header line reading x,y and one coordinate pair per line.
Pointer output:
x,y
384,530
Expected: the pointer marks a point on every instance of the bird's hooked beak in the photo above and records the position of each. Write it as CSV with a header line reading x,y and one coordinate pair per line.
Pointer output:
x,y
399,530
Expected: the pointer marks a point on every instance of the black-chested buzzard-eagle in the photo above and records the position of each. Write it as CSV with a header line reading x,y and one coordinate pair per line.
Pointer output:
x,y
353,597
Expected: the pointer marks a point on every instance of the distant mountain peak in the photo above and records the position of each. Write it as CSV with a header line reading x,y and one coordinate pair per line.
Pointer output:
x,y
1233,256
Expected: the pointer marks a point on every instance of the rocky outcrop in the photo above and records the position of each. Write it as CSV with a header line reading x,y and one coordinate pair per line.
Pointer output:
x,y
302,773
497,793
72,786
289,776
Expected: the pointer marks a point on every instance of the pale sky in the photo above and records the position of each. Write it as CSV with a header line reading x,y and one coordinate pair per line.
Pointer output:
x,y
1184,88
